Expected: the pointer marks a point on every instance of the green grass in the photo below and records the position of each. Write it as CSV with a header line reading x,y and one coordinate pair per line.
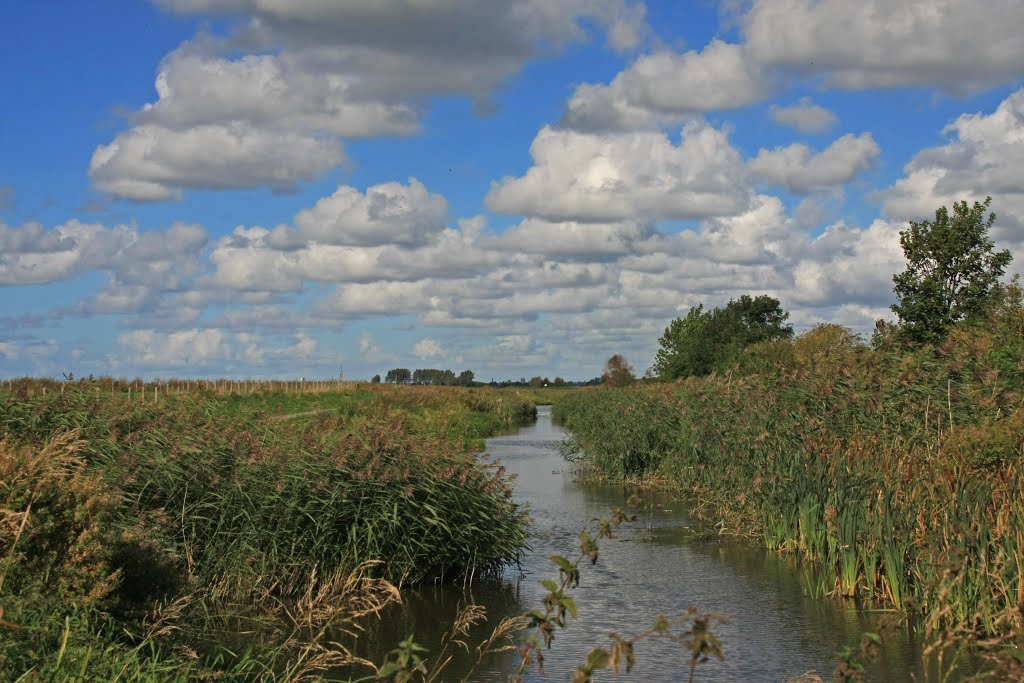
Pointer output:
x,y
893,476
200,505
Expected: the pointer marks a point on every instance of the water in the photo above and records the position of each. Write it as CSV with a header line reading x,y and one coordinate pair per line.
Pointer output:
x,y
654,565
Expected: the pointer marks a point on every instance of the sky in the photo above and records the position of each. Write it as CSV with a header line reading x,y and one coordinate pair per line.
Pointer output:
x,y
293,188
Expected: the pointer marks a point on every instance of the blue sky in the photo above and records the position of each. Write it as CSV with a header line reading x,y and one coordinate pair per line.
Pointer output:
x,y
260,188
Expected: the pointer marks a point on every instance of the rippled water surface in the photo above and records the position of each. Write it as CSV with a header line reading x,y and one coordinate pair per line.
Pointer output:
x,y
655,564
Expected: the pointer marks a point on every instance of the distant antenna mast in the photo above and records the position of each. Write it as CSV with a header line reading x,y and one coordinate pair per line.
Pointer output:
x,y
341,373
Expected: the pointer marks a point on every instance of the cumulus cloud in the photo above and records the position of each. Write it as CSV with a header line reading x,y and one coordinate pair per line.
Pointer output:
x,y
202,349
8,350
194,347
369,349
961,46
572,239
798,169
804,116
267,91
150,163
389,213
428,349
310,73
983,156
611,177
850,265
665,86
33,254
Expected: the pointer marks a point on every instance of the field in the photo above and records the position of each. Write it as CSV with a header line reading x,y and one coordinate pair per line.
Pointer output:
x,y
890,476
196,531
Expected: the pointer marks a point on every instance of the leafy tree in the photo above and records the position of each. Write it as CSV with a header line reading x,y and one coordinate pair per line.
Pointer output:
x,y
617,372
375,380
465,378
559,382
683,351
705,341
951,272
433,376
398,376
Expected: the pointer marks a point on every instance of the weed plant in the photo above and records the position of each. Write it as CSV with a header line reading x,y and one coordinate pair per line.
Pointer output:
x,y
892,475
138,540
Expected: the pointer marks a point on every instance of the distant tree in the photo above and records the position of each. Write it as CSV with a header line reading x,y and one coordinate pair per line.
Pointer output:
x,y
537,382
617,372
705,341
398,376
952,270
376,379
559,382
465,378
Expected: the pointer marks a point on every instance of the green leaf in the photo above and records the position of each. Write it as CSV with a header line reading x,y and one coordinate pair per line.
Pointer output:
x,y
563,564
570,605
597,659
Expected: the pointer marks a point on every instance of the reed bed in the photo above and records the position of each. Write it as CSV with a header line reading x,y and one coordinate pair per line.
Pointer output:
x,y
893,477
138,539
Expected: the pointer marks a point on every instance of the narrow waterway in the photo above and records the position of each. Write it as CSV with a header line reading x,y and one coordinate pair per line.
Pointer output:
x,y
654,565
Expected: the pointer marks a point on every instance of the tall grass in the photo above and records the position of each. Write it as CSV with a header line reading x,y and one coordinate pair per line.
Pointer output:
x,y
202,516
893,476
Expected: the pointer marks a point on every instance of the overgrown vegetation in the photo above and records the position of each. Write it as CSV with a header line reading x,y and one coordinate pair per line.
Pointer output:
x,y
891,471
705,341
197,534
895,474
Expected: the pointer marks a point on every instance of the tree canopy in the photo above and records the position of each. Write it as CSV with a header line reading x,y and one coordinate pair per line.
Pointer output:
x,y
952,271
617,372
705,341
398,376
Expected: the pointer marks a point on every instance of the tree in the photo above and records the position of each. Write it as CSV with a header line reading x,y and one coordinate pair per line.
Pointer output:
x,y
682,351
705,341
465,378
375,380
398,376
617,372
951,272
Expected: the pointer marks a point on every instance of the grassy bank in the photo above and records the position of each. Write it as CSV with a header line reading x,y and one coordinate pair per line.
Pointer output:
x,y
137,537
892,476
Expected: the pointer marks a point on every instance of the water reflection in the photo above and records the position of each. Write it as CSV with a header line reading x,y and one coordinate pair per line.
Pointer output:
x,y
656,565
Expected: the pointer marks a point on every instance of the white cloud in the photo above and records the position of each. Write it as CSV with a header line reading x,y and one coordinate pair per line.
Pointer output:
x,y
33,254
571,239
665,86
804,116
626,176
369,349
389,213
800,170
961,46
849,265
151,163
183,348
203,349
313,71
8,350
268,91
428,349
984,156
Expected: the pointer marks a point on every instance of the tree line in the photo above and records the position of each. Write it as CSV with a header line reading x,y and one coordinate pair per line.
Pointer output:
x,y
952,277
446,378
